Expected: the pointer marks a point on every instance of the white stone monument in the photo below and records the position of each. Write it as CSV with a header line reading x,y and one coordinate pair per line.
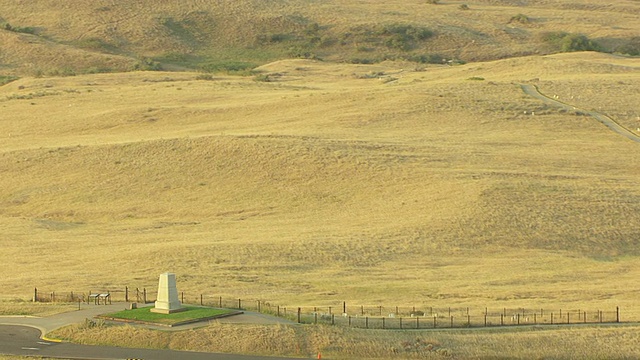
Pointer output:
x,y
167,302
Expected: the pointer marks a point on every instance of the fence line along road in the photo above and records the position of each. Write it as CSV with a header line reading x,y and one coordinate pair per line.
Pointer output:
x,y
357,316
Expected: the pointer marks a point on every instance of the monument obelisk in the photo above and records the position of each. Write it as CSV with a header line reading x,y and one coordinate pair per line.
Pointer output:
x,y
167,302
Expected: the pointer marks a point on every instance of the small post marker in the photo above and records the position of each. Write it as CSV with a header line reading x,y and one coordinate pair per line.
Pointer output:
x,y
319,356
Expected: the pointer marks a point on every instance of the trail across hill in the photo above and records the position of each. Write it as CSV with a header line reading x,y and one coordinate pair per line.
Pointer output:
x,y
533,90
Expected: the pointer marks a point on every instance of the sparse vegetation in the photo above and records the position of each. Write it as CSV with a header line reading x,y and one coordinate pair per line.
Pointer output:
x,y
520,18
5,79
230,67
427,191
147,64
566,42
18,29
631,47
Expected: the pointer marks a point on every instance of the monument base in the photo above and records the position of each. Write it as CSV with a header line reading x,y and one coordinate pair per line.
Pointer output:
x,y
167,311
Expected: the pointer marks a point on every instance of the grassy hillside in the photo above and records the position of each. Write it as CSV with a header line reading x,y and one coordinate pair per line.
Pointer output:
x,y
52,37
329,182
315,152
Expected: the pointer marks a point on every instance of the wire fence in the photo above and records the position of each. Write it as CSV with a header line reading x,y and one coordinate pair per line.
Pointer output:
x,y
360,316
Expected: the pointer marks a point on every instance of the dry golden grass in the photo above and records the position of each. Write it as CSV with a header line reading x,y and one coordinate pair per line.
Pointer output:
x,y
341,343
28,308
77,35
324,186
383,185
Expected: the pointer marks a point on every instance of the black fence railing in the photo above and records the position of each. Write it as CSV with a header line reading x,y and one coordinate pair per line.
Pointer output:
x,y
359,316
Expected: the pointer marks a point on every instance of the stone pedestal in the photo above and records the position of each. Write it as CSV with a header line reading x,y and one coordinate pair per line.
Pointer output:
x,y
167,302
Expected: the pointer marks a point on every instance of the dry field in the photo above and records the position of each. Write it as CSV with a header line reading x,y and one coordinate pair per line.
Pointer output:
x,y
368,184
340,343
104,35
389,184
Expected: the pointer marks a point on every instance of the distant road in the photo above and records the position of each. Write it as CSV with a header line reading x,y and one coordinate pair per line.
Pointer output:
x,y
532,90
25,341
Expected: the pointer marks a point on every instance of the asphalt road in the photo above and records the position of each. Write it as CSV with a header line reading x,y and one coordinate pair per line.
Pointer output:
x,y
25,341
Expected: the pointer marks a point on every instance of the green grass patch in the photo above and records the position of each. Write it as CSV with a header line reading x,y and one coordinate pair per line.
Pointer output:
x,y
5,79
191,314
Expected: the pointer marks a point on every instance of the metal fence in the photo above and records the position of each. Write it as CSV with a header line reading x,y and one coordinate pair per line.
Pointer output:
x,y
357,316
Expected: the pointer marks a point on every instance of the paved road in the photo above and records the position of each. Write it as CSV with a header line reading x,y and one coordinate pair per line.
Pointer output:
x,y
24,335
25,341
532,90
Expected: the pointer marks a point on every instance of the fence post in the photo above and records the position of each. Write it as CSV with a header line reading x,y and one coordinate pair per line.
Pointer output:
x,y
259,306
485,319
362,310
468,320
239,304
518,318
330,310
144,294
435,322
315,317
396,310
278,310
126,294
534,319
299,311
417,322
333,319
182,297
201,302
220,301
383,322
35,294
344,307
366,322
551,318
617,314
349,320
501,319
568,320
53,296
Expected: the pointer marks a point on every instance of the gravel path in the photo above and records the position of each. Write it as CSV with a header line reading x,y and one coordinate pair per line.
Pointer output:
x,y
533,90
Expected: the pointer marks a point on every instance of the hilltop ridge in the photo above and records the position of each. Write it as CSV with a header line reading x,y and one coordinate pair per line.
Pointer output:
x,y
63,38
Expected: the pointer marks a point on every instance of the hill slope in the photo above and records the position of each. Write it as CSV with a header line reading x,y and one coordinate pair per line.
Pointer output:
x,y
210,34
347,181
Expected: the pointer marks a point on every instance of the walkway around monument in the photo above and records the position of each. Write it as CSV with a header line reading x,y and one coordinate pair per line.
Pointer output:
x,y
383,316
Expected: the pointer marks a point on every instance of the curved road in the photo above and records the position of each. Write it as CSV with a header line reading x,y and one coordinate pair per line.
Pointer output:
x,y
533,90
25,341
25,336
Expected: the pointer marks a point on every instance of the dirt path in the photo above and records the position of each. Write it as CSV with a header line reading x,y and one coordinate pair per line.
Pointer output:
x,y
533,90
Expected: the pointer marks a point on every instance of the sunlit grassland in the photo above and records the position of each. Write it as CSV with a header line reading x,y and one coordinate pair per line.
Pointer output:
x,y
325,185
342,343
